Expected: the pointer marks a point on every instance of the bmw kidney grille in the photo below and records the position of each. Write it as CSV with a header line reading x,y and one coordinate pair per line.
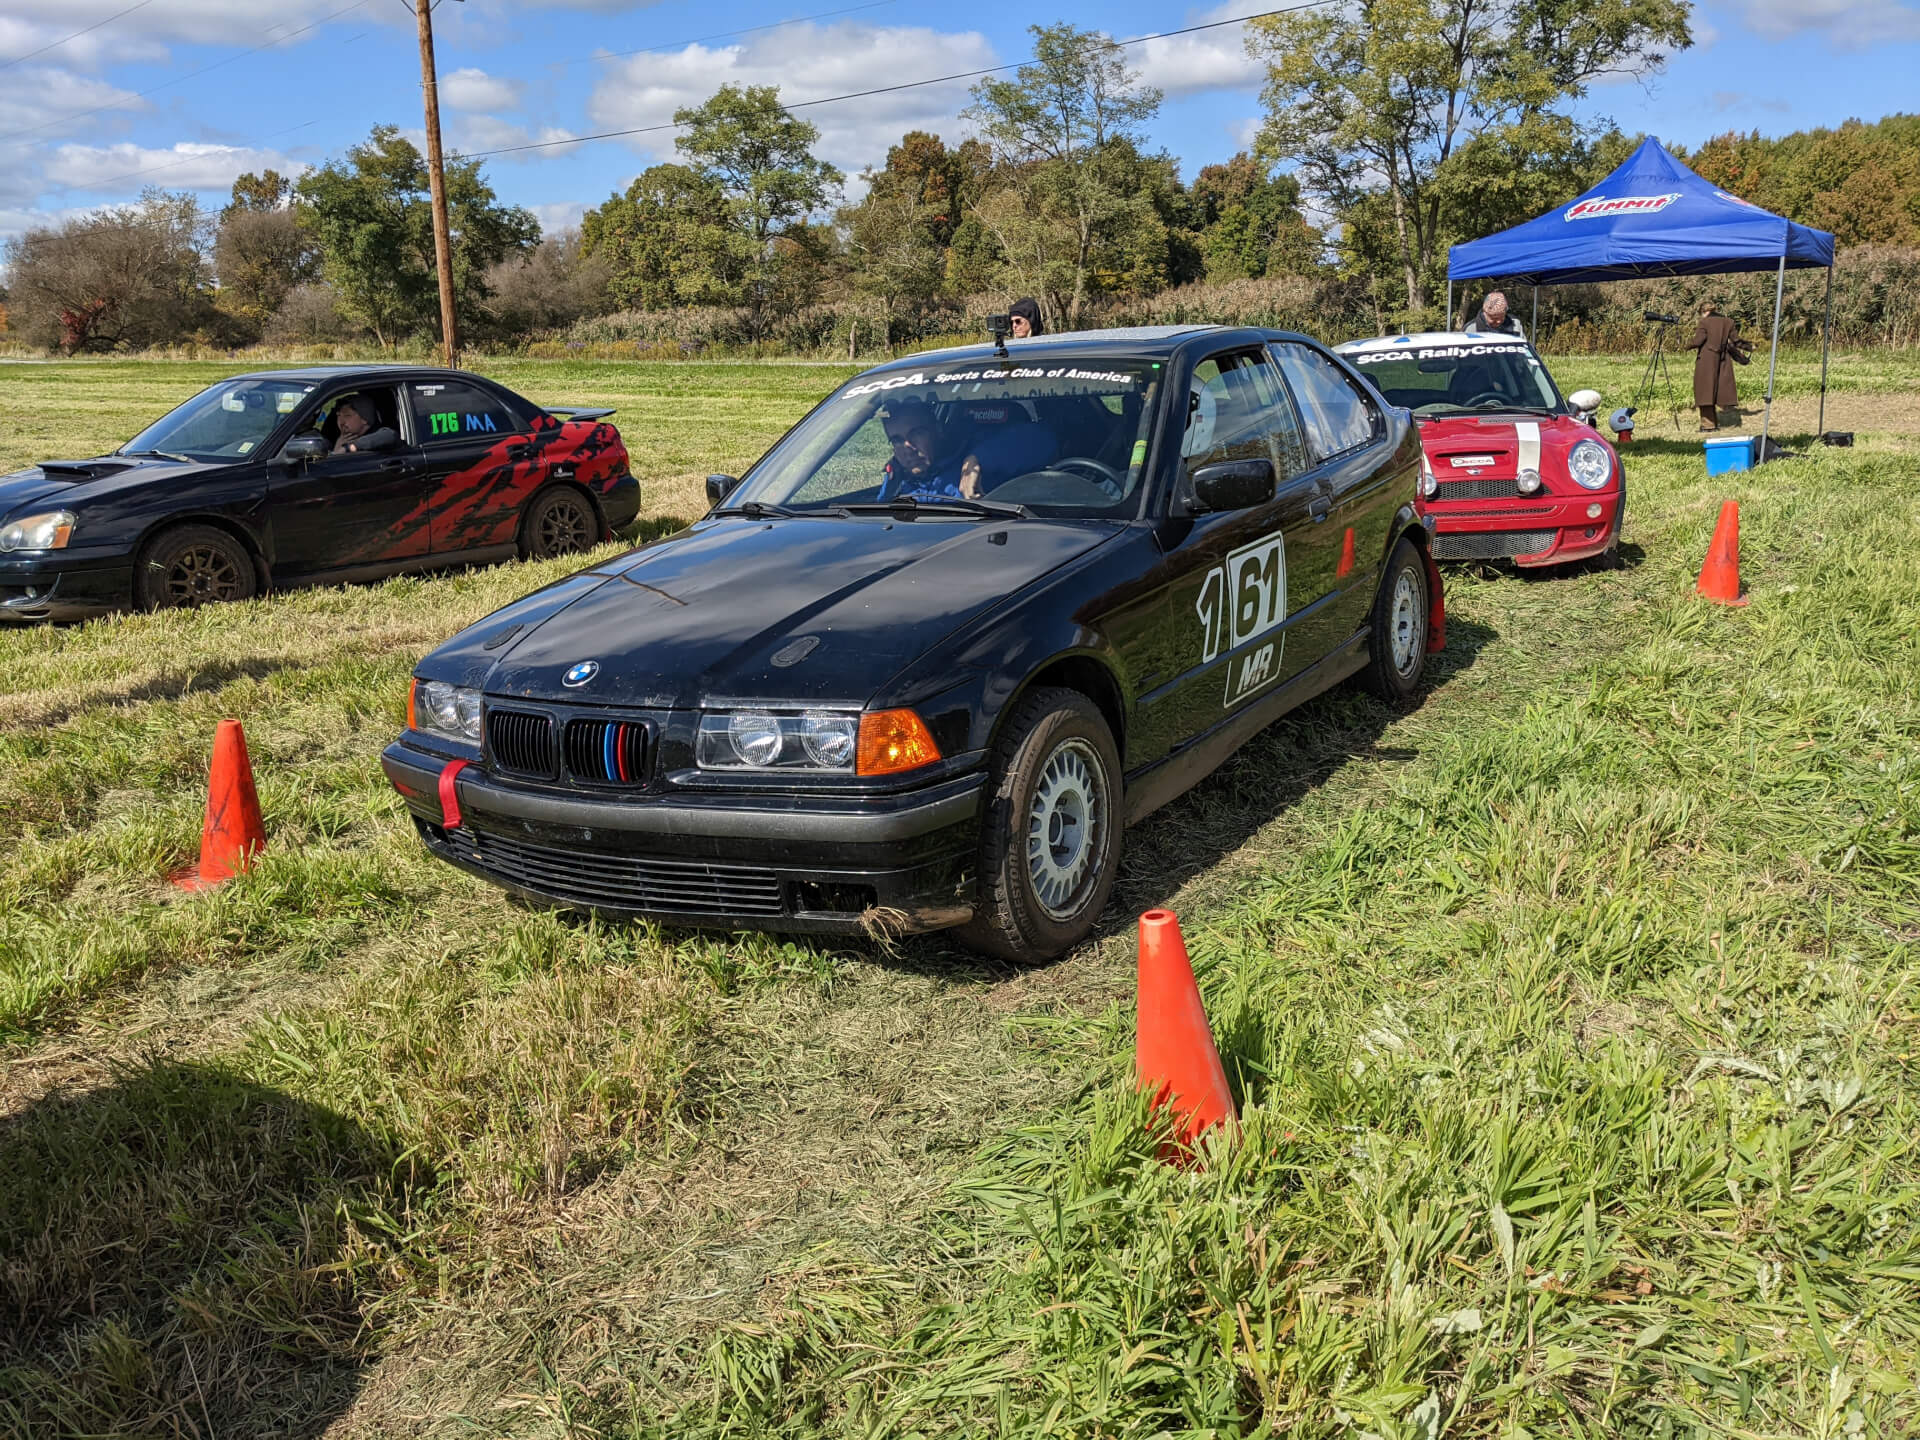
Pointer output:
x,y
607,752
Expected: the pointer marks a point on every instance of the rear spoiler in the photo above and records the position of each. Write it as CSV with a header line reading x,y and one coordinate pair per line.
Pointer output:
x,y
576,412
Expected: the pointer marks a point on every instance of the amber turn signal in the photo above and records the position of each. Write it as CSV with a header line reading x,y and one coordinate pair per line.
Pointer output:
x,y
413,694
892,741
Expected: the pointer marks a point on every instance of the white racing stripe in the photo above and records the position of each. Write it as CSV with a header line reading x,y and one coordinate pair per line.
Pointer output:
x,y
1527,433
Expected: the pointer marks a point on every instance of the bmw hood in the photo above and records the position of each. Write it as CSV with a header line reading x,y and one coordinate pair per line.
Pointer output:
x,y
807,610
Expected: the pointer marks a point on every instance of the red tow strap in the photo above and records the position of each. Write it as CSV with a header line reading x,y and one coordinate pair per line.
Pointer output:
x,y
450,795
1436,607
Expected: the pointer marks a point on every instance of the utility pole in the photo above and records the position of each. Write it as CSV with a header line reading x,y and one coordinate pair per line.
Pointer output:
x,y
436,172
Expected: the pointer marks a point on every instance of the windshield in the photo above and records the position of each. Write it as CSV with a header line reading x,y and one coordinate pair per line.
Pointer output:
x,y
1456,378
1054,439
226,422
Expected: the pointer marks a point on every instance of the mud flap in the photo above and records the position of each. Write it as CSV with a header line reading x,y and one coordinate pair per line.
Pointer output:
x,y
1436,605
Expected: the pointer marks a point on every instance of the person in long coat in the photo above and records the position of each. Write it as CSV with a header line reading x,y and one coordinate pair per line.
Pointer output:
x,y
1715,338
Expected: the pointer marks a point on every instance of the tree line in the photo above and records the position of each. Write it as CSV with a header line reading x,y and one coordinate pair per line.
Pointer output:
x,y
1393,128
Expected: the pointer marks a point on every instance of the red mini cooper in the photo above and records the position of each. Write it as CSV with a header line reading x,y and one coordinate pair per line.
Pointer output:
x,y
1512,470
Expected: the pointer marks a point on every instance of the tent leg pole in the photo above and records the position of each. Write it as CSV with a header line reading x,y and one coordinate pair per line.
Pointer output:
x,y
1826,344
1534,334
1449,324
1773,361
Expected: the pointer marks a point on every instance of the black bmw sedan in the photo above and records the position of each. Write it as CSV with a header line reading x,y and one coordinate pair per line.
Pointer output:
x,y
300,476
919,667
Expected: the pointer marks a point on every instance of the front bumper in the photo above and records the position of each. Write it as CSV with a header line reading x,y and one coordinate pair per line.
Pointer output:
x,y
896,864
1556,530
55,586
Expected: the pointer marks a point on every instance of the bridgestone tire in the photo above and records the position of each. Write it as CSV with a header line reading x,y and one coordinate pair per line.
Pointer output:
x,y
560,521
192,565
1397,639
1050,837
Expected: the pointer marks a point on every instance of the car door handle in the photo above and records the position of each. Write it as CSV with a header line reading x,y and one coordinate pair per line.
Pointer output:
x,y
1319,507
395,465
520,452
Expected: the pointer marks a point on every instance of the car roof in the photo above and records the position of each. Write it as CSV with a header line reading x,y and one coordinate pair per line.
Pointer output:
x,y
1143,341
384,371
1423,340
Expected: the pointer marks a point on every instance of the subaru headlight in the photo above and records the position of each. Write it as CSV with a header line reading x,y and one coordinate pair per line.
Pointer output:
x,y
761,740
442,709
50,531
1589,464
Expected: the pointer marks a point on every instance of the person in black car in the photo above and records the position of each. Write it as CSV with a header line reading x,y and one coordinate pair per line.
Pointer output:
x,y
360,428
928,464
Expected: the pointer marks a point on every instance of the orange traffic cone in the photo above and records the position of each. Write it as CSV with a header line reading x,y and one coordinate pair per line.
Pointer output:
x,y
1174,1053
1720,576
1346,556
233,833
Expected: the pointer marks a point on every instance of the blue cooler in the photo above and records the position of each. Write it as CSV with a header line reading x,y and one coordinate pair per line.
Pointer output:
x,y
1733,453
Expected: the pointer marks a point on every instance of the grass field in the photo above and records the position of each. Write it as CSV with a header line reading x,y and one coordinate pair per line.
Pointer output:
x,y
1573,1015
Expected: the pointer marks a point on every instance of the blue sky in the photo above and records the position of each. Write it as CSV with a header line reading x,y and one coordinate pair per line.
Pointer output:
x,y
93,119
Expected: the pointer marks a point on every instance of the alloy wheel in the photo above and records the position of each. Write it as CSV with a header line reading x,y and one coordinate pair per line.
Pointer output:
x,y
1065,821
203,573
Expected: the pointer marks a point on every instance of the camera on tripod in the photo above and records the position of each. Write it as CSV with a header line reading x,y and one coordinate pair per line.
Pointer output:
x,y
1654,317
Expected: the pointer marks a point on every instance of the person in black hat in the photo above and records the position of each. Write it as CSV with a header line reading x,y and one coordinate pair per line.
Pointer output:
x,y
1025,314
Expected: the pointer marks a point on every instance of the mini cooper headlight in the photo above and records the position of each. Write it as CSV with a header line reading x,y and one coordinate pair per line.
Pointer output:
x,y
442,709
760,740
50,531
1528,482
1589,464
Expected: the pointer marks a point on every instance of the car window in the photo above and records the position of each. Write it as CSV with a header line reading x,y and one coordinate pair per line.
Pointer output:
x,y
228,421
324,419
1337,415
1067,440
1452,377
1237,410
449,410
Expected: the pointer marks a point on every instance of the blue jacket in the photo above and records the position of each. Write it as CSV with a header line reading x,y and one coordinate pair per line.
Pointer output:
x,y
1003,451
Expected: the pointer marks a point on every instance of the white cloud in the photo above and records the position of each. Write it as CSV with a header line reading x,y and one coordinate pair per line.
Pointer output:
x,y
34,99
1210,60
185,166
144,33
1845,25
475,134
807,62
564,215
471,89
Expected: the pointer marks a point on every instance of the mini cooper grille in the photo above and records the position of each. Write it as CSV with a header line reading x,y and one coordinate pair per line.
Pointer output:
x,y
607,879
607,752
521,742
1492,544
1478,490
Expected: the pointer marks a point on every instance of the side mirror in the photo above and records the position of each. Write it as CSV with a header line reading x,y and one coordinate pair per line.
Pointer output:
x,y
1233,484
719,487
1588,400
303,448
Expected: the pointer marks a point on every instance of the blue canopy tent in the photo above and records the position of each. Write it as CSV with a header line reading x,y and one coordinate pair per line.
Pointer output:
x,y
1650,218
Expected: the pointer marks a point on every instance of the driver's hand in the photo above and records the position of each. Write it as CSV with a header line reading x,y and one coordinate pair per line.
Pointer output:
x,y
970,477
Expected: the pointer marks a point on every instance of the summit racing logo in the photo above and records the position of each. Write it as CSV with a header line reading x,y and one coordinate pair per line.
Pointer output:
x,y
1625,205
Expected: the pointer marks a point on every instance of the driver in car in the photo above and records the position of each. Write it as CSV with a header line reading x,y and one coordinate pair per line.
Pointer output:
x,y
928,466
360,427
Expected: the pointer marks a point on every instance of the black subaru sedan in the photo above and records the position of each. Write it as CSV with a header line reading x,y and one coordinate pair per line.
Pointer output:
x,y
924,662
292,477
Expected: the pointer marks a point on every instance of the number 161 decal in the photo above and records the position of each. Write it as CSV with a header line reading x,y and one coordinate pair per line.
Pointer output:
x,y
1241,599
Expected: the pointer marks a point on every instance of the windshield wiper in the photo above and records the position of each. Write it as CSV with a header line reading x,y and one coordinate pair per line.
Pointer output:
x,y
163,454
760,510
964,505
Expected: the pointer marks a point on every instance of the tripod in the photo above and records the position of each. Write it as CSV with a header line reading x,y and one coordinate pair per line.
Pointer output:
x,y
1657,370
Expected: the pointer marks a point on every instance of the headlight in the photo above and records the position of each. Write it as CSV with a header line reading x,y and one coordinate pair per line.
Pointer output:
x,y
760,740
1528,483
1589,464
442,709
39,532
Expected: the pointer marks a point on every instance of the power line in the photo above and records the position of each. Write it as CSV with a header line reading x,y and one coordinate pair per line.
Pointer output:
x,y
885,89
55,45
181,79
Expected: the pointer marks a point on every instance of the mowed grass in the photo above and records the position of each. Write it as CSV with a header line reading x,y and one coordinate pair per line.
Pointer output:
x,y
1572,1015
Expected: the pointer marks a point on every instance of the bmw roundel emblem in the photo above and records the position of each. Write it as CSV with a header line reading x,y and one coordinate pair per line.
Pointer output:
x,y
581,673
